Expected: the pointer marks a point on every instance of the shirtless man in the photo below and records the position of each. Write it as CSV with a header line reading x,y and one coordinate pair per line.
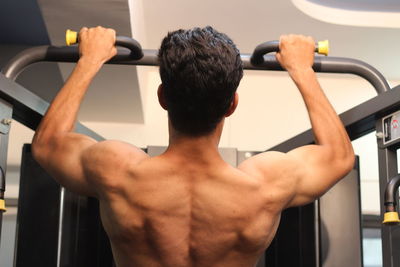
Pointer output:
x,y
187,207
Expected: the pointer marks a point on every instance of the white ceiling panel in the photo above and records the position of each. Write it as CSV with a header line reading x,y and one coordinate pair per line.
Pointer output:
x,y
254,21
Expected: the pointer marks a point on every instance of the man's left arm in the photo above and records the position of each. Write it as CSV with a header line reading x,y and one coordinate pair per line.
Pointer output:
x,y
59,150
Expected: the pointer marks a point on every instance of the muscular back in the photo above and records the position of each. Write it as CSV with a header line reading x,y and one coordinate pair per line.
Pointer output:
x,y
176,212
186,207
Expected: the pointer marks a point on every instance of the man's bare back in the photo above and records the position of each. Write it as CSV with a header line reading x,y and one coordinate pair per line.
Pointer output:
x,y
175,210
187,207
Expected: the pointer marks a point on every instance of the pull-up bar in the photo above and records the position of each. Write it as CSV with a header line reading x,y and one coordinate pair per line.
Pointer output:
x,y
134,55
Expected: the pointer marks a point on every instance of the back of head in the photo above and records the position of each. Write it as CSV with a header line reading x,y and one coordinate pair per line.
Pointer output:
x,y
200,71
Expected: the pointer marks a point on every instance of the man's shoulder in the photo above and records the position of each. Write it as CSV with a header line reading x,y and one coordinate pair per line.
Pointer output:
x,y
108,162
113,154
262,162
117,149
272,168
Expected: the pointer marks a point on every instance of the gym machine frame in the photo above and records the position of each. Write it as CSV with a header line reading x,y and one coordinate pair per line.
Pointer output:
x,y
28,109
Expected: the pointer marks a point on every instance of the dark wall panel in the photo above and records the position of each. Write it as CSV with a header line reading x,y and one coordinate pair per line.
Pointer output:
x,y
37,218
294,243
84,242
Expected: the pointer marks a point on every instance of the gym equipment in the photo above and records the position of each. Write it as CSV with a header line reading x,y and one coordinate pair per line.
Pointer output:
x,y
391,135
361,120
123,57
71,37
391,217
28,109
322,47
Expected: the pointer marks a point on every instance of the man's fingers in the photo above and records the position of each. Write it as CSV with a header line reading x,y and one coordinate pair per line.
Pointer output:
x,y
278,57
81,32
112,32
84,29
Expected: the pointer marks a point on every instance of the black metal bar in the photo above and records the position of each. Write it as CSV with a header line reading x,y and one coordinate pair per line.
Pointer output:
x,y
329,65
29,108
71,54
68,54
258,54
131,44
358,121
387,158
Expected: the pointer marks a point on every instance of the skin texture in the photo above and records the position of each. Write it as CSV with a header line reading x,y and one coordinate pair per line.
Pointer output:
x,y
187,207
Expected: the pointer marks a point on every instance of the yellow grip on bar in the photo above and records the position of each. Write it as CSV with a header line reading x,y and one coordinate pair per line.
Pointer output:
x,y
323,47
2,205
71,37
391,218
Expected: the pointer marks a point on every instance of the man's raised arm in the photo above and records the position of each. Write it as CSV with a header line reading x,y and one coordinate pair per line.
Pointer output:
x,y
307,172
57,149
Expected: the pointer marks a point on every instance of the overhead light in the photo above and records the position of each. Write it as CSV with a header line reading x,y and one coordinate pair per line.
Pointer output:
x,y
348,17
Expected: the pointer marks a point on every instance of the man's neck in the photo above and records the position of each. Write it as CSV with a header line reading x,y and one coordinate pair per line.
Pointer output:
x,y
195,147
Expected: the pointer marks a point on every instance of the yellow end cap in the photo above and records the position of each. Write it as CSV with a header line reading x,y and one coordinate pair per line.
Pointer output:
x,y
71,37
391,217
2,205
323,47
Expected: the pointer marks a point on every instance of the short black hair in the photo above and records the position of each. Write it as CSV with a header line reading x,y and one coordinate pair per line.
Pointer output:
x,y
200,71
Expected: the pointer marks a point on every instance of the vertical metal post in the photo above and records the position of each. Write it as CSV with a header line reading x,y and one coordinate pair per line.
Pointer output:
x,y
317,218
387,158
5,121
60,226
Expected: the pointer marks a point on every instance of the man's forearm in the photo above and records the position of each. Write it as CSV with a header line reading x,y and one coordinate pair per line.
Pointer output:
x,y
327,127
61,116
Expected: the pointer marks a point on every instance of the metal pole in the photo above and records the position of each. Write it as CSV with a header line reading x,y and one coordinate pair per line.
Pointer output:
x,y
60,226
387,158
71,54
5,120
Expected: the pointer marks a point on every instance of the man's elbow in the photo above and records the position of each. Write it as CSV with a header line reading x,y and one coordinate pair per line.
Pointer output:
x,y
347,161
340,160
41,147
38,150
351,161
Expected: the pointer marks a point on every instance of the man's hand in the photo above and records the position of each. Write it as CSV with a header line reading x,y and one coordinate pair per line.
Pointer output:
x,y
296,52
97,45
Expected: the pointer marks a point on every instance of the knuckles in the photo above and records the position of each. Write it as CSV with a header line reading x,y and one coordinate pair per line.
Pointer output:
x,y
293,40
98,39
93,33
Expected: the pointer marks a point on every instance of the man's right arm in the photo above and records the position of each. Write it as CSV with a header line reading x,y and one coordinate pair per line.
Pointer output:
x,y
307,172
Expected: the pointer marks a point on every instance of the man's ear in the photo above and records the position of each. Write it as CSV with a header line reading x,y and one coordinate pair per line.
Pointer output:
x,y
233,106
161,98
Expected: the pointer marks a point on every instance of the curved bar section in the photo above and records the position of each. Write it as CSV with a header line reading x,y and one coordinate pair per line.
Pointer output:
x,y
328,65
69,54
258,55
353,66
123,57
390,193
131,44
25,58
391,217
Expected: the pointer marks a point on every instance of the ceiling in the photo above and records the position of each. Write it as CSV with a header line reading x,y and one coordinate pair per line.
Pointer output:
x,y
248,23
254,21
362,5
45,22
